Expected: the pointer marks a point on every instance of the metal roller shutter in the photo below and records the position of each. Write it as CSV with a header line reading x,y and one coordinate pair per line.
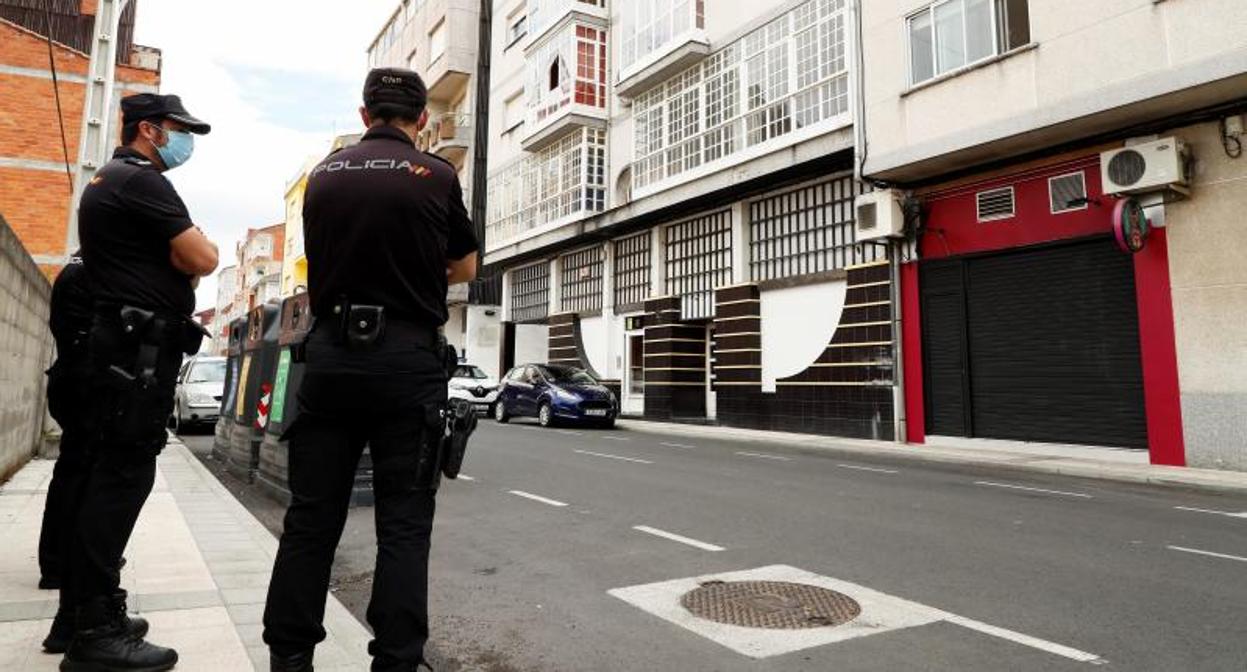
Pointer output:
x,y
944,361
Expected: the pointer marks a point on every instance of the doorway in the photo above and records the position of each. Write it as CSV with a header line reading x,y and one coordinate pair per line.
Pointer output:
x,y
633,402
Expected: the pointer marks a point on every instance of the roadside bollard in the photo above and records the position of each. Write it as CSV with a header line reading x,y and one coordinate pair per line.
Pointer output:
x,y
296,322
259,359
233,366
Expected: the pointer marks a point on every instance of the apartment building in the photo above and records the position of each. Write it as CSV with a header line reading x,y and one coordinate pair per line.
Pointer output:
x,y
35,189
229,307
671,194
1073,177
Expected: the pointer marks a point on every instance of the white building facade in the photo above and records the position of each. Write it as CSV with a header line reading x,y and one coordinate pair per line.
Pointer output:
x,y
671,194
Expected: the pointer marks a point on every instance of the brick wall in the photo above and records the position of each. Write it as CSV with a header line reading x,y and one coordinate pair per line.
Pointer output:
x,y
25,352
34,190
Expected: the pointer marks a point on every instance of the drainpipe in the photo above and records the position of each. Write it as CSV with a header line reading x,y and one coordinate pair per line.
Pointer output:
x,y
857,84
896,249
480,144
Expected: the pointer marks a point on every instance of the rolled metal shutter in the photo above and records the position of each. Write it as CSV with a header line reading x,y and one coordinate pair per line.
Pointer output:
x,y
944,342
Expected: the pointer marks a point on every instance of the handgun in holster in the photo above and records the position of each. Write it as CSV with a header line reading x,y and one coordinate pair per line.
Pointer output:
x,y
460,423
146,329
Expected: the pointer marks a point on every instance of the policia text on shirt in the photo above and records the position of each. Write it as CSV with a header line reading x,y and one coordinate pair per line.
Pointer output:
x,y
386,231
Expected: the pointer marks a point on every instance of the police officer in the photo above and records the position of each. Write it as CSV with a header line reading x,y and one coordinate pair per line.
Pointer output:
x,y
385,230
142,255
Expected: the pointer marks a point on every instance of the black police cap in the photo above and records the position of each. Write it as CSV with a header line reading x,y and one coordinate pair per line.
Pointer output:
x,y
395,86
148,106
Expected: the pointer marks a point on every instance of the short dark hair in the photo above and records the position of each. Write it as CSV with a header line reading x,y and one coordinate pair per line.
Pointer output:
x,y
130,132
392,112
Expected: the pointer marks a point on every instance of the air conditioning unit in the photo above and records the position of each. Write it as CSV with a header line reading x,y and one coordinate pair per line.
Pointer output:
x,y
1148,167
879,215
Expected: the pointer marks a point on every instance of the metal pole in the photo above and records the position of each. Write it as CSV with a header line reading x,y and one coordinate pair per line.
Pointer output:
x,y
97,110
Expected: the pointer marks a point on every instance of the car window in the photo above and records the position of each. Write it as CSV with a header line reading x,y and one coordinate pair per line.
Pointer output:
x,y
567,374
516,374
467,371
207,372
531,375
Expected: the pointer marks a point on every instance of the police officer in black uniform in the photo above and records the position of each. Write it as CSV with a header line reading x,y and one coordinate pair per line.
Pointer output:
x,y
143,256
386,230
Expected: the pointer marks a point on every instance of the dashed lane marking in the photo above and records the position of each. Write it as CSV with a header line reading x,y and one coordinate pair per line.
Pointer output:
x,y
537,498
465,477
612,457
871,469
1008,486
568,432
616,438
678,538
1210,554
764,456
677,445
1214,512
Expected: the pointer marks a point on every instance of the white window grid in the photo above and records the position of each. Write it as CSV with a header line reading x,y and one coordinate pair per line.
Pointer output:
x,y
579,51
563,180
581,289
699,260
788,75
544,13
530,293
646,27
806,230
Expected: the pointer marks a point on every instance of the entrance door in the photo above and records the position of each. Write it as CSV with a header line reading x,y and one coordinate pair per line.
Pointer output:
x,y
1038,344
634,376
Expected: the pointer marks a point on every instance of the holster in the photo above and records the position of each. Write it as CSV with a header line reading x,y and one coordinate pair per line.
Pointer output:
x,y
359,326
460,423
135,354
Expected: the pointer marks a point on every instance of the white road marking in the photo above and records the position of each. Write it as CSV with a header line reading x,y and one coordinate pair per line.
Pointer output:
x,y
612,457
1025,640
881,613
677,445
1210,554
1230,514
675,537
991,484
537,498
765,457
465,477
568,432
616,438
874,469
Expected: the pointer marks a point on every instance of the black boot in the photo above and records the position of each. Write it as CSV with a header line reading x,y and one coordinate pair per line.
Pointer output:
x,y
62,631
297,662
102,643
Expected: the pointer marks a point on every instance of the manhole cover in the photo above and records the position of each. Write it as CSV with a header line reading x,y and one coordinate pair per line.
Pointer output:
x,y
770,604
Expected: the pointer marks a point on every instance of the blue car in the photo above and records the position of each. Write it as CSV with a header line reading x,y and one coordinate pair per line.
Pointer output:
x,y
554,394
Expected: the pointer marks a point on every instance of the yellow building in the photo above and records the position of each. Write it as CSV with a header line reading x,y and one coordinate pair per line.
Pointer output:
x,y
294,261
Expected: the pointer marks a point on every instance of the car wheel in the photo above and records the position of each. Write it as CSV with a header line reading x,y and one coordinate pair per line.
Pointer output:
x,y
500,412
609,424
545,414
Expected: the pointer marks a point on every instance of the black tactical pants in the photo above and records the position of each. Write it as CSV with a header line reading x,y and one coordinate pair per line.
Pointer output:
x,y
387,399
69,406
127,432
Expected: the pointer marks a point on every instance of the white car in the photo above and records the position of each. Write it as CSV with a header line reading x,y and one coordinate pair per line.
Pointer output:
x,y
197,398
472,385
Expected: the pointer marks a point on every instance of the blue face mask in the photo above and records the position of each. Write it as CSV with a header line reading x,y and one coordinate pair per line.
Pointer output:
x,y
178,149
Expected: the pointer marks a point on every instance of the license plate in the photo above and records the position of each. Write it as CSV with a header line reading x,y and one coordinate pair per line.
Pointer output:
x,y
596,412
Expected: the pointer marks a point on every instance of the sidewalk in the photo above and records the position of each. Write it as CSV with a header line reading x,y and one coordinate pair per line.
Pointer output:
x,y
1110,464
198,569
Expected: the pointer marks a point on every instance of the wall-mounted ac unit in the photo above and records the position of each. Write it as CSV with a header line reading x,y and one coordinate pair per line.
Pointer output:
x,y
879,215
1148,167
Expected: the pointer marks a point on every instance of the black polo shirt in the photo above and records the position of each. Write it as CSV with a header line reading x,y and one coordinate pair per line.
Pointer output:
x,y
380,221
127,216
71,310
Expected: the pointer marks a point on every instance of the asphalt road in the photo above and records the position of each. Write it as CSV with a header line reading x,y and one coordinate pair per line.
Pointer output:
x,y
1000,572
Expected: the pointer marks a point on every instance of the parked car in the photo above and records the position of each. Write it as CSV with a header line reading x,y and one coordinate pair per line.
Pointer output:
x,y
470,384
197,398
554,394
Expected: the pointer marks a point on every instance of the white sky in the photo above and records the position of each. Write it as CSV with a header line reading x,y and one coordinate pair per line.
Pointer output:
x,y
277,79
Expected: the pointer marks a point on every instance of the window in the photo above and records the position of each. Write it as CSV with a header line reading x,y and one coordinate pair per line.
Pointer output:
x,y
582,281
1067,193
517,30
563,180
554,79
789,75
437,42
632,264
951,34
530,293
699,260
569,68
650,26
806,230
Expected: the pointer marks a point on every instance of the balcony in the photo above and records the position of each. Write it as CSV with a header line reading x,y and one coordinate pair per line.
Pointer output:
x,y
671,39
566,85
449,136
545,15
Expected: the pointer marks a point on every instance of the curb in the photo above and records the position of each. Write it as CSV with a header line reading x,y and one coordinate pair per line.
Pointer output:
x,y
1206,480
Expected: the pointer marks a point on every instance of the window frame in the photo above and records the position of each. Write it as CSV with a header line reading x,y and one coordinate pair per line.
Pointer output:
x,y
998,40
434,54
1082,175
978,205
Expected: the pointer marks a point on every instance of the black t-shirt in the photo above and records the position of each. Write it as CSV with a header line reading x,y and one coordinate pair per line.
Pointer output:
x,y
71,311
380,221
127,217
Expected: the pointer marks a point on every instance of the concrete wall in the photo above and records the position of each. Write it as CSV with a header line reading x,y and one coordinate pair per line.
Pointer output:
x,y
1120,60
1209,280
25,352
